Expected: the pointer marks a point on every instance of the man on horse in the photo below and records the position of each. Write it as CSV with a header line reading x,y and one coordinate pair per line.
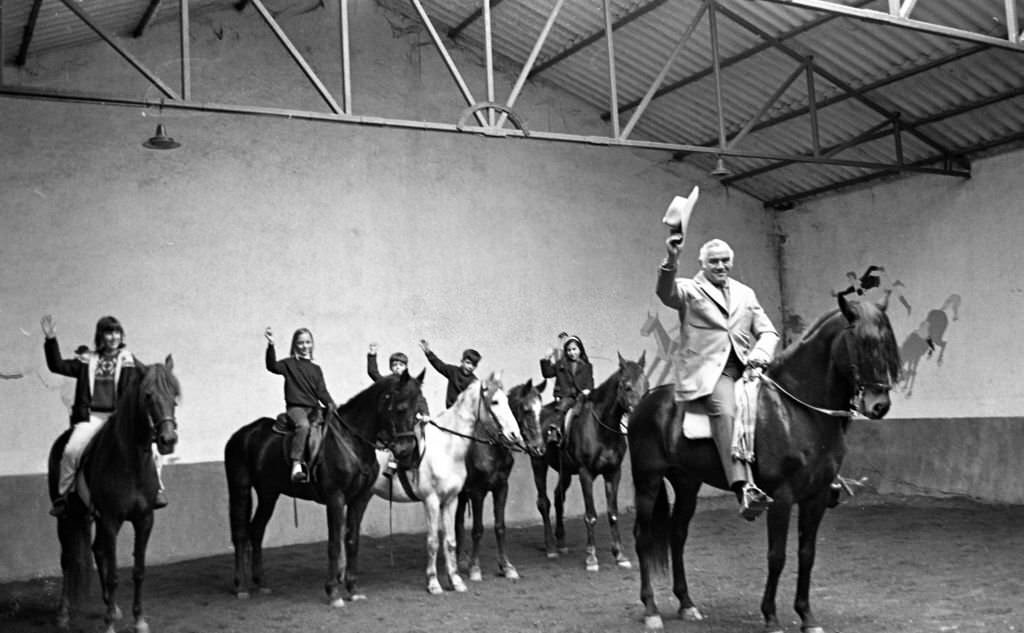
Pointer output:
x,y
723,331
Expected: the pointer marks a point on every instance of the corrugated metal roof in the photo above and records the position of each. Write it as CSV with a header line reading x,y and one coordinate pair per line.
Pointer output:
x,y
950,95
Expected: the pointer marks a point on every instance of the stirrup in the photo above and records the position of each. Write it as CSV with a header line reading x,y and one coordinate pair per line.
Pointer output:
x,y
754,502
299,475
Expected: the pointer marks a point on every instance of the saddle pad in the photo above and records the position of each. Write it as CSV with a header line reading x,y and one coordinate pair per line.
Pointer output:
x,y
696,425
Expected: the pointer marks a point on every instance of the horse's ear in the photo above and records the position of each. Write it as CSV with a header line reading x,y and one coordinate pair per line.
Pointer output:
x,y
169,362
423,374
844,307
643,359
540,385
622,361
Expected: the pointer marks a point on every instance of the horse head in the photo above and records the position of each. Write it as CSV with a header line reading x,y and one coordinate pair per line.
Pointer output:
x,y
494,401
526,404
866,357
402,406
632,382
160,394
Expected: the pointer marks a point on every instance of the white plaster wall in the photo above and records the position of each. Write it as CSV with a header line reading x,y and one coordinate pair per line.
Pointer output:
x,y
360,233
940,237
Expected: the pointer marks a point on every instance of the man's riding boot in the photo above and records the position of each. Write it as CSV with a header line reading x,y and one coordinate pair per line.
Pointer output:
x,y
754,502
835,489
160,501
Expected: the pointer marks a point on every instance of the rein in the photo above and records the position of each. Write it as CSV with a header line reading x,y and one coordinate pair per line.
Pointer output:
x,y
836,413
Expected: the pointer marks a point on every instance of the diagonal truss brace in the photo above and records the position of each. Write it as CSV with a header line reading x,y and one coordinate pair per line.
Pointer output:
x,y
899,13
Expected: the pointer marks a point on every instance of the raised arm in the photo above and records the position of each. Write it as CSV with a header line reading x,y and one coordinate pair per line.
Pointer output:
x,y
667,289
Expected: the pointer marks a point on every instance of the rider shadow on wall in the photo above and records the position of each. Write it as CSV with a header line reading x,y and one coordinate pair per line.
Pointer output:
x,y
922,342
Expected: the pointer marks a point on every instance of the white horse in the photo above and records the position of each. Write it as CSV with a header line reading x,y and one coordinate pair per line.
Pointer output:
x,y
480,414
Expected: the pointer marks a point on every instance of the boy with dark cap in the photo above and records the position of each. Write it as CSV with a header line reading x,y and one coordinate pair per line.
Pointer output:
x,y
459,376
398,362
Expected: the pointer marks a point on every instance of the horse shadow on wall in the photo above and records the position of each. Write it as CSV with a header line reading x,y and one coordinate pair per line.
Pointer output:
x,y
925,340
665,348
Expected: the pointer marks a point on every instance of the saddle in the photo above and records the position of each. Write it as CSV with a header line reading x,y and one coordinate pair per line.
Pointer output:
x,y
697,423
284,425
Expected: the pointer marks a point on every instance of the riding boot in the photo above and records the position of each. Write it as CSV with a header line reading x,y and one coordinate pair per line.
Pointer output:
x,y
60,506
160,501
299,474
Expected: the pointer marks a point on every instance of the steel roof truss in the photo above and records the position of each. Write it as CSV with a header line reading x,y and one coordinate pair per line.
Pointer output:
x,y
898,16
26,38
528,65
151,9
767,104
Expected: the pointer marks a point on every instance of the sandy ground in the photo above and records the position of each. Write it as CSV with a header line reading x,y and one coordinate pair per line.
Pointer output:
x,y
892,565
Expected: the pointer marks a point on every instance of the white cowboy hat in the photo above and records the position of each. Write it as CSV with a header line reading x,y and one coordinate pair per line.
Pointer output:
x,y
678,214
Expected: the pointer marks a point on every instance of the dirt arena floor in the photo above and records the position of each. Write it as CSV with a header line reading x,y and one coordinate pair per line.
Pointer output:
x,y
885,565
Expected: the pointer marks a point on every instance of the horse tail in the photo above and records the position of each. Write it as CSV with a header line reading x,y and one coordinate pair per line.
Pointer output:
x,y
239,480
660,529
73,532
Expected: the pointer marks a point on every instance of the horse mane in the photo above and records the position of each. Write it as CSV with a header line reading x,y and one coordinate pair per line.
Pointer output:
x,y
157,377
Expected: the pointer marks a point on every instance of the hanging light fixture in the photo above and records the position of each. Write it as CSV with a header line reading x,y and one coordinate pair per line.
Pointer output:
x,y
160,140
720,170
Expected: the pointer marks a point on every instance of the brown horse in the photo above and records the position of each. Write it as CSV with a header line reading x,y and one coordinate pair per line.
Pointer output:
x,y
595,444
120,484
488,466
847,360
385,413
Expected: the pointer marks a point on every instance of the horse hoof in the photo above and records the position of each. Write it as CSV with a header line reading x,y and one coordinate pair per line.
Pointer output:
x,y
593,567
475,575
812,629
458,585
654,623
242,595
625,564
141,626
552,555
511,574
357,596
563,550
337,603
691,614
434,588
117,615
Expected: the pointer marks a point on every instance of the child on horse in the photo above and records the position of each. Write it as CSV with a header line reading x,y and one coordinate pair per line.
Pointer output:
x,y
304,391
100,374
398,362
459,376
574,378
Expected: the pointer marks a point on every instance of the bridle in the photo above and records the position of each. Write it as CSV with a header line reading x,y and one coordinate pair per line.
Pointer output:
x,y
859,385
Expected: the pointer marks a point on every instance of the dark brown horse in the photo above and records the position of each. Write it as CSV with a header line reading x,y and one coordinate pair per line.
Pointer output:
x,y
117,483
594,445
488,466
847,360
385,413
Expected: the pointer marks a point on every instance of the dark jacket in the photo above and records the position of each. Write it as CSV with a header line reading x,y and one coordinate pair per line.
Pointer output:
x,y
78,369
457,381
568,384
303,381
371,368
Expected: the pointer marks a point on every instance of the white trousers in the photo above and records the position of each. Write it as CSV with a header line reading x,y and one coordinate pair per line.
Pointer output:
x,y
81,433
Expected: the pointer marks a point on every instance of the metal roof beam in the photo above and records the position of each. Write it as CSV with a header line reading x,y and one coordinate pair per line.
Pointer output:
x,y
593,37
734,59
900,18
534,52
874,133
151,9
84,17
456,30
834,79
26,38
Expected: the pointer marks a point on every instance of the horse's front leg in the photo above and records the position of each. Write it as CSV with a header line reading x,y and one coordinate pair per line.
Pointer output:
x,y
143,528
431,513
448,525
810,515
561,486
540,481
104,549
589,517
461,551
356,511
257,528
611,495
476,498
499,497
336,562
778,530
